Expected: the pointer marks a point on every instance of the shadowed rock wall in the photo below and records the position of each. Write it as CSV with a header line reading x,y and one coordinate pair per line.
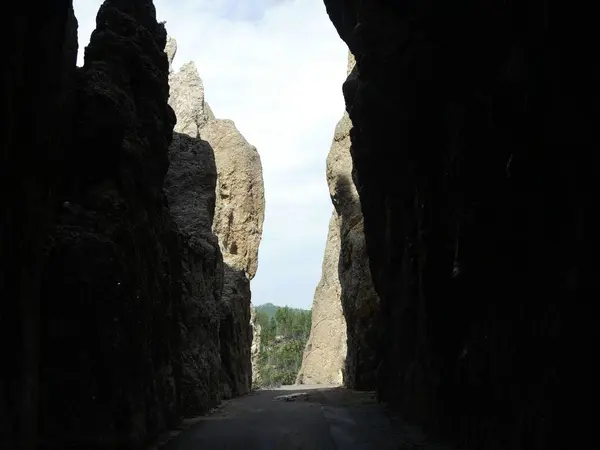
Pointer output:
x,y
111,290
472,145
238,210
190,186
344,335
104,315
38,73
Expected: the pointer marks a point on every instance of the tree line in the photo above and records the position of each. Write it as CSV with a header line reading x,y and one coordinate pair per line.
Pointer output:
x,y
283,336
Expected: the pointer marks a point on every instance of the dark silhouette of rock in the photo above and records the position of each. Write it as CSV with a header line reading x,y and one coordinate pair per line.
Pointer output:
x,y
111,278
37,97
111,289
190,187
472,148
112,319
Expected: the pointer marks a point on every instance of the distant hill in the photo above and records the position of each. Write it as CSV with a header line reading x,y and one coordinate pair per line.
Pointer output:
x,y
269,309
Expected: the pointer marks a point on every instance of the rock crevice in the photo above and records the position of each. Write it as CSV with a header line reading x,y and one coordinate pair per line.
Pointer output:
x,y
344,334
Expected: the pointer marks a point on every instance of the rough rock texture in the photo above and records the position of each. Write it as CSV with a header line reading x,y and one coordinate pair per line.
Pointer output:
x,y
171,51
220,156
95,250
325,351
191,200
472,150
239,216
112,319
240,195
187,99
110,300
190,186
345,302
359,299
110,294
255,348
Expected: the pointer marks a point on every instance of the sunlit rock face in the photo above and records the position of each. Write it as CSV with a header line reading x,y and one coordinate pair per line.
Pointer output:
x,y
343,340
325,351
230,197
239,216
471,149
255,348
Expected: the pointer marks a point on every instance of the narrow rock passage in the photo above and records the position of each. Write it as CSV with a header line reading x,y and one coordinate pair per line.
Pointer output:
x,y
300,418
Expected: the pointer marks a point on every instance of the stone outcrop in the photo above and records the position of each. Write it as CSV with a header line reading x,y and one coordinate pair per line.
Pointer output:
x,y
112,317
238,216
325,351
359,300
471,144
255,348
240,195
344,334
190,186
104,305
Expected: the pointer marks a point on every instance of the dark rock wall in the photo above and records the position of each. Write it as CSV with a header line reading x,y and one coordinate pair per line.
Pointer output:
x,y
111,286
109,315
235,333
190,187
37,72
472,145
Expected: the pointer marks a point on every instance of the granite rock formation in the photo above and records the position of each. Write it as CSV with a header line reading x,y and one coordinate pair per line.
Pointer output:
x,y
255,348
240,195
112,313
358,297
113,253
344,335
190,186
472,147
238,216
325,351
98,318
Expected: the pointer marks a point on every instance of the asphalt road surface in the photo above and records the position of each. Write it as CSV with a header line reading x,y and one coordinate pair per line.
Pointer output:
x,y
299,418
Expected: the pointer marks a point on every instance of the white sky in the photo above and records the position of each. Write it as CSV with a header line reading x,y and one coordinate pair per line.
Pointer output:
x,y
274,67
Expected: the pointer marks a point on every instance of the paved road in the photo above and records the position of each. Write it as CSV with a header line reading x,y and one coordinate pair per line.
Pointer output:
x,y
299,418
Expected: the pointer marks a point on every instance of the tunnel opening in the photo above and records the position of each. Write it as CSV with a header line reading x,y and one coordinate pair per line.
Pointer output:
x,y
449,305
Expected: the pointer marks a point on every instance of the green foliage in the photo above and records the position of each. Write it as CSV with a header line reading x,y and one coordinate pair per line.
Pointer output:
x,y
268,309
283,336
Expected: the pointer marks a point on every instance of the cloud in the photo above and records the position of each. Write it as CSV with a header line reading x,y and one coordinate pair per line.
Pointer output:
x,y
274,67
